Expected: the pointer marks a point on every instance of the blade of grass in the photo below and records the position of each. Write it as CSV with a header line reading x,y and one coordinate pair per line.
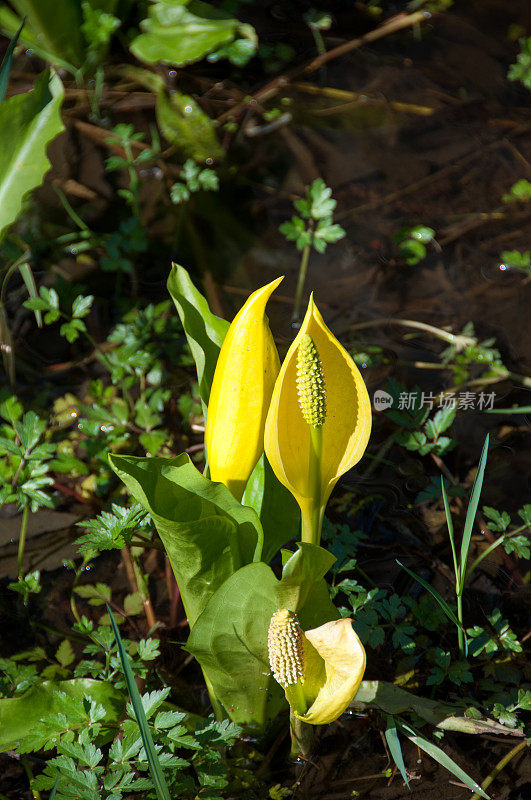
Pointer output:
x,y
159,781
514,410
443,604
54,788
450,525
5,67
6,347
440,756
393,742
471,514
29,280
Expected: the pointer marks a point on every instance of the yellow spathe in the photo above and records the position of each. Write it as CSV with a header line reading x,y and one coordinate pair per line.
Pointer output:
x,y
346,429
244,378
335,663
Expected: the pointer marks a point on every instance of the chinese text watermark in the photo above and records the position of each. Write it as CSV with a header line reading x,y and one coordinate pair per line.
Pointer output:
x,y
410,401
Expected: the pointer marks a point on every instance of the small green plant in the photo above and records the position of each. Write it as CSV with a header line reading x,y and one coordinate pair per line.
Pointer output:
x,y
521,71
516,259
313,228
412,243
318,21
520,192
125,136
48,303
194,179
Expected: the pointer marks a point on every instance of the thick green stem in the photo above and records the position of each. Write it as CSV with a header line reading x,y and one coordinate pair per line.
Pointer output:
x,y
219,711
22,541
295,697
302,737
311,516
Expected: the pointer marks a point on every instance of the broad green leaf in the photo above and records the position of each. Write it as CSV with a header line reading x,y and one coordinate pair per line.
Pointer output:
x,y
440,756
302,573
393,700
204,331
55,25
471,512
5,67
180,32
18,714
28,122
278,511
393,742
155,769
207,534
185,125
229,639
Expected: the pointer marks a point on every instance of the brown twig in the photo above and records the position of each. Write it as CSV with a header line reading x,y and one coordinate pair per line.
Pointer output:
x,y
392,25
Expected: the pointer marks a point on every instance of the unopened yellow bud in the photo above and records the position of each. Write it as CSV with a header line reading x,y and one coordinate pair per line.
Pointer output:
x,y
310,383
286,652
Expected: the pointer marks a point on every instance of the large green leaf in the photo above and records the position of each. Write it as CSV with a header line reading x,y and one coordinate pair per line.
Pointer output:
x,y
180,32
204,331
207,534
18,714
55,25
275,505
229,639
393,700
28,122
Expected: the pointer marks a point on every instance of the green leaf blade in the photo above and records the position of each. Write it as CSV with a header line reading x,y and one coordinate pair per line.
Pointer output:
x,y
161,787
444,760
204,331
393,743
207,534
471,512
28,122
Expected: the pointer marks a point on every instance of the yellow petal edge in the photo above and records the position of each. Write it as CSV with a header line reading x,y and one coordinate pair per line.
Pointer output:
x,y
247,367
344,659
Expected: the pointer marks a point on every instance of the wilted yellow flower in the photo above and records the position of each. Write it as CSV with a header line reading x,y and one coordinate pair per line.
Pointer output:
x,y
244,378
319,420
320,670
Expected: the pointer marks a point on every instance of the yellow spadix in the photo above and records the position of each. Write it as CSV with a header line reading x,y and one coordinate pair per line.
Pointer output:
x,y
320,670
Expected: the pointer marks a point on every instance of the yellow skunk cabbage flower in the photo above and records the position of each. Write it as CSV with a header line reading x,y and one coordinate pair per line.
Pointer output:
x,y
244,378
320,670
319,420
